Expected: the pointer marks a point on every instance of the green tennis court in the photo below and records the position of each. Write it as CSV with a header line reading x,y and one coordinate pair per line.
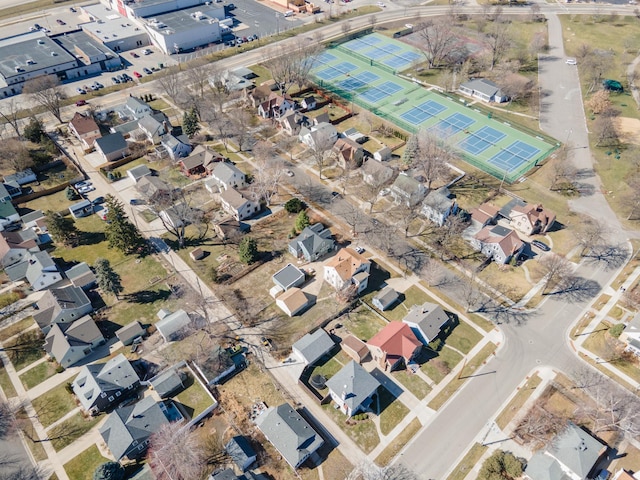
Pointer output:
x,y
363,71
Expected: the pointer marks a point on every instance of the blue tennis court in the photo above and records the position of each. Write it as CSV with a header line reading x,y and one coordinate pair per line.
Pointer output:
x,y
401,59
515,155
326,57
453,124
423,112
330,73
377,93
379,52
479,141
358,81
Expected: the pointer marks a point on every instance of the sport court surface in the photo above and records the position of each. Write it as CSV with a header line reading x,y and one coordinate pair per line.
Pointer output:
x,y
363,71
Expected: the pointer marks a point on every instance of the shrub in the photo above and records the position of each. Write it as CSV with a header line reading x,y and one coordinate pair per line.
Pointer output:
x,y
59,369
616,330
294,205
109,471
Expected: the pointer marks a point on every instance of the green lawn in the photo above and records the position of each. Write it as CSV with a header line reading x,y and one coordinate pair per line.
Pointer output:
x,y
413,383
5,383
398,443
140,273
463,337
439,367
70,430
413,296
363,433
31,437
362,323
194,399
16,328
29,351
393,411
55,202
53,405
84,464
38,374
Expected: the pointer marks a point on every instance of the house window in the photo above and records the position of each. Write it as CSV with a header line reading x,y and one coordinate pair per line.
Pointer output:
x,y
111,398
135,442
118,394
140,447
103,395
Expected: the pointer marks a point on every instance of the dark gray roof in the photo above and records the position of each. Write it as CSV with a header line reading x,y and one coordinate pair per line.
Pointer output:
x,y
81,275
545,467
116,374
314,345
82,42
64,336
111,143
289,433
173,323
386,296
313,239
36,46
289,276
501,231
439,199
239,449
133,423
429,317
482,85
130,331
354,383
80,205
55,300
167,382
32,216
139,171
576,449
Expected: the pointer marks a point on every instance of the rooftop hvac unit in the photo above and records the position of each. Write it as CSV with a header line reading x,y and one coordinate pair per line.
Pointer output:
x,y
40,42
54,54
30,61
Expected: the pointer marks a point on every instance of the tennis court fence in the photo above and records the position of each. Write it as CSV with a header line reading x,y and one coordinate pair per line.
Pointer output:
x,y
367,60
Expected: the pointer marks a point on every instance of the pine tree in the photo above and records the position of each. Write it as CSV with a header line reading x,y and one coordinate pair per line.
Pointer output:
x,y
120,232
248,250
63,229
109,471
302,221
190,123
108,280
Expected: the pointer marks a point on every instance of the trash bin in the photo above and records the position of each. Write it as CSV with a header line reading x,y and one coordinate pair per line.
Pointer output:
x,y
160,65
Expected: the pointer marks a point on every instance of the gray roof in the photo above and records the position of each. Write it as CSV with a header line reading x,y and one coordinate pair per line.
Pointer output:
x,y
153,123
181,20
313,239
32,267
139,171
130,331
137,107
56,300
173,323
543,467
32,216
289,276
354,383
576,449
501,231
438,199
407,184
314,345
289,433
133,423
229,474
429,318
386,296
80,205
239,449
167,382
111,143
482,85
79,41
116,374
149,186
64,336
81,275
225,171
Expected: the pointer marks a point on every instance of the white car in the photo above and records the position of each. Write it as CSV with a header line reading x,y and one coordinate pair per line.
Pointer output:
x,y
571,61
146,51
86,189
359,250
381,4
82,184
384,191
289,173
408,25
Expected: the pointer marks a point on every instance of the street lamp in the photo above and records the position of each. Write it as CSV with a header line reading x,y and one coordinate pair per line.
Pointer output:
x,y
277,23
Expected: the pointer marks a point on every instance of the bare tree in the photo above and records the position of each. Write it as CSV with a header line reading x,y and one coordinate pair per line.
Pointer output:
x,y
498,39
7,419
352,215
540,425
439,40
443,236
175,453
177,213
198,79
613,409
171,84
562,171
15,155
404,215
633,197
432,157
241,128
269,172
368,470
589,234
291,65
469,294
320,152
555,269
11,114
517,87
534,13
47,92
604,128
586,377
594,65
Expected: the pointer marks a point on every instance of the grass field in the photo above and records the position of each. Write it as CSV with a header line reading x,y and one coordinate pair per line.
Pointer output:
x,y
398,443
363,433
53,405
439,367
195,399
413,383
16,328
393,413
469,461
5,383
84,464
38,374
70,430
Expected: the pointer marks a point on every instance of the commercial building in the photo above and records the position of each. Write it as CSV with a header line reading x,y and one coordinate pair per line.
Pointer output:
x,y
113,30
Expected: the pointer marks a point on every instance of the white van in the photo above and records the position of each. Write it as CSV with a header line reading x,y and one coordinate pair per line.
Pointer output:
x,y
288,13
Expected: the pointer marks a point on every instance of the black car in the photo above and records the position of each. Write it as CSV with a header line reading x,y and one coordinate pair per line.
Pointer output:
x,y
98,201
147,71
336,195
542,246
231,6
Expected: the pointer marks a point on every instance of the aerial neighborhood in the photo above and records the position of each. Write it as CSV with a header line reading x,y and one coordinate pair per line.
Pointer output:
x,y
347,239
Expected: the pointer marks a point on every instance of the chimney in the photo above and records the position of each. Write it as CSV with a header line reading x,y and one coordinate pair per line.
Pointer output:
x,y
344,393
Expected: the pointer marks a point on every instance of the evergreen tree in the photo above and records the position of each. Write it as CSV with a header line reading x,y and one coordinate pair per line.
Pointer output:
x,y
190,122
71,193
108,280
33,131
294,205
121,233
109,471
410,150
302,221
248,250
501,466
61,228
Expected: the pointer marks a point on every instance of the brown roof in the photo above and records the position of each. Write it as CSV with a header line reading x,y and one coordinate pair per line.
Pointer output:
x,y
536,213
346,262
294,298
356,345
509,242
484,212
397,340
83,124
345,147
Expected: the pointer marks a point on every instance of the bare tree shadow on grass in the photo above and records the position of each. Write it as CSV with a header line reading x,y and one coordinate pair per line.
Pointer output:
x,y
147,296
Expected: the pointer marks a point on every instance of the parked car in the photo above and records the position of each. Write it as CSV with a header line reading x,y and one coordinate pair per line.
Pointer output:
x,y
135,55
571,61
84,183
98,201
81,103
136,201
147,71
359,250
97,85
146,51
37,26
127,78
239,42
231,6
542,246
115,80
289,173
73,9
86,189
81,91
137,74
381,4
60,22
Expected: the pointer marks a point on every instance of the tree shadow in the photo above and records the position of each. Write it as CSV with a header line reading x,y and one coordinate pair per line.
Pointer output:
x,y
612,256
91,238
148,296
577,289
108,328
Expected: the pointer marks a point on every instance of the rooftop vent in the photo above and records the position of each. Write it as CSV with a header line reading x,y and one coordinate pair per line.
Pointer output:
x,y
19,69
40,42
54,54
30,61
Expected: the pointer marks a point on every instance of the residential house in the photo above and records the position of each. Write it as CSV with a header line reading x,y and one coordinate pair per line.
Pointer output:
x,y
531,219
289,433
426,320
293,301
260,94
573,454
81,209
201,160
85,129
16,180
394,346
227,175
234,80
35,220
14,250
130,332
499,243
383,155
61,305
321,118
112,147
81,276
154,127
484,90
376,173
13,189
352,388
68,343
229,228
485,214
173,216
237,204
287,277
176,146
355,348
407,190
137,173
631,336
99,386
192,166
229,474
152,188
320,137
348,153
240,451
276,105
8,213
309,103
134,108
313,242
171,325
217,366
347,268
385,298
313,346
438,205
127,430
292,121
27,238
169,382
37,268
